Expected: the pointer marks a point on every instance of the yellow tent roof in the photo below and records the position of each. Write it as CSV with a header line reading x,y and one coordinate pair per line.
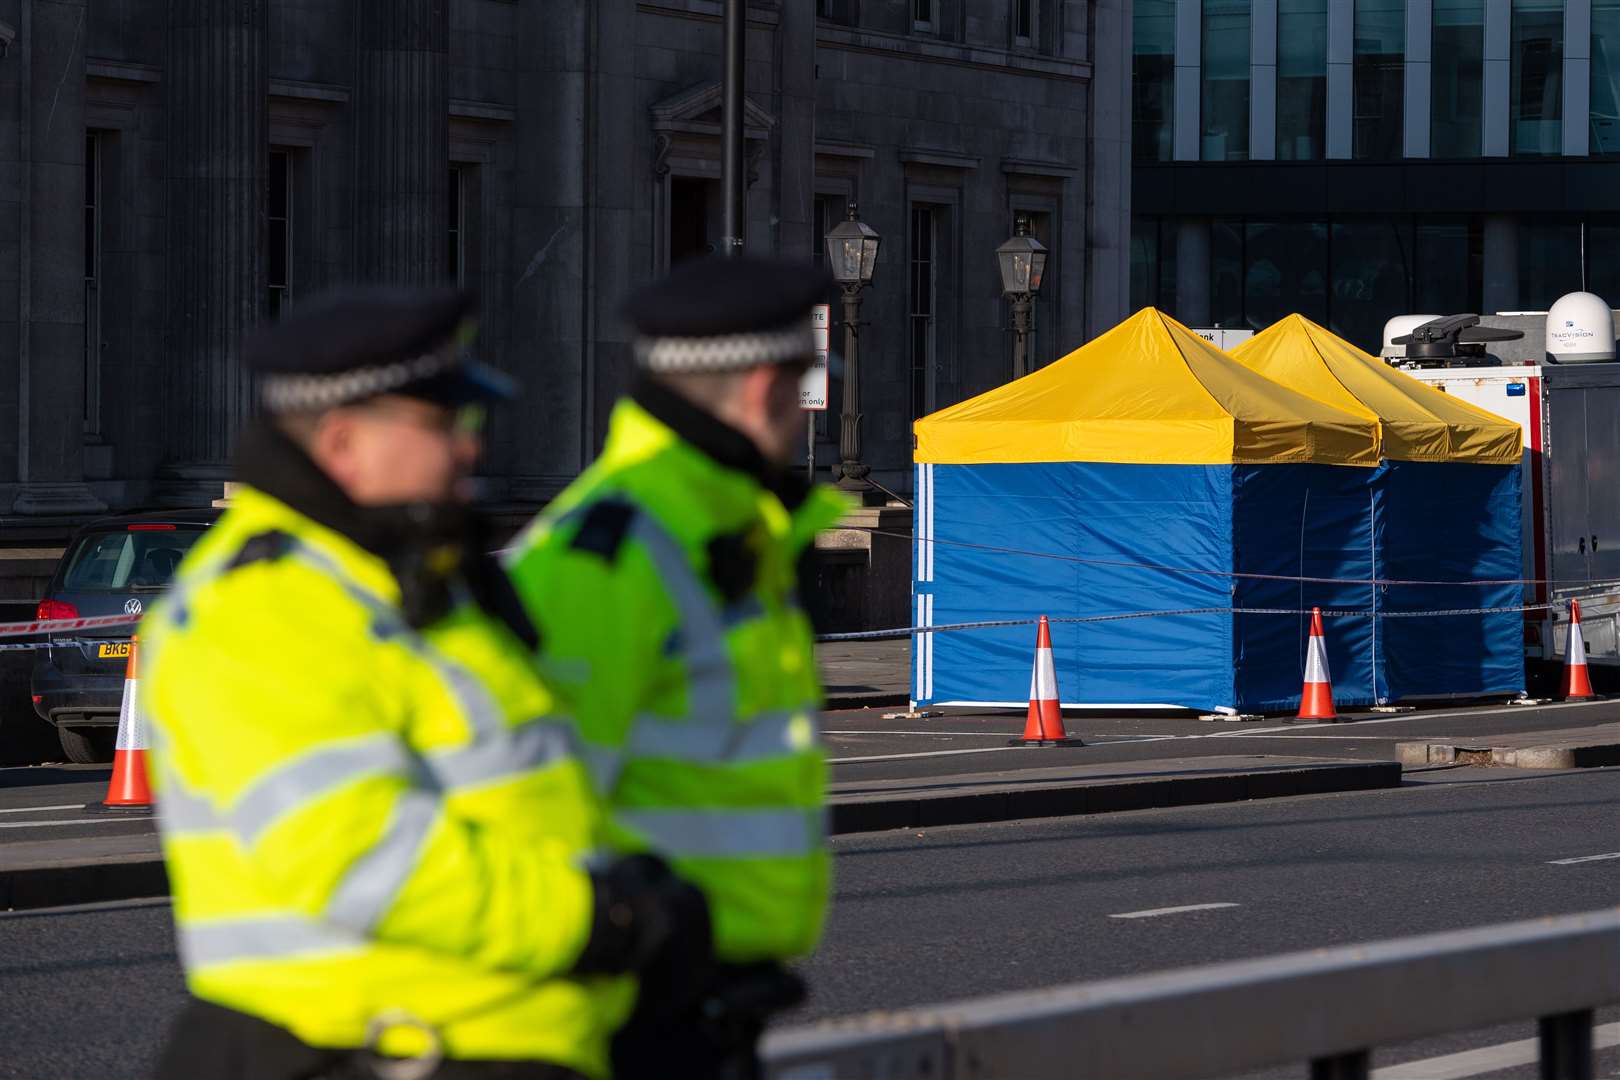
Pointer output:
x,y
1148,392
1419,422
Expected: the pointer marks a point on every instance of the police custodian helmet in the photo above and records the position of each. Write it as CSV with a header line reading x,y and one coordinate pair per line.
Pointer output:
x,y
715,314
359,343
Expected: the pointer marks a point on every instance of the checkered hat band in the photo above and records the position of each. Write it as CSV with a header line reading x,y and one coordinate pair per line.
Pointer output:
x,y
312,393
726,352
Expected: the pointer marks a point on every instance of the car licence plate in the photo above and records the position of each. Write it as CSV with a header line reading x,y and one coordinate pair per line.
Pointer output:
x,y
119,651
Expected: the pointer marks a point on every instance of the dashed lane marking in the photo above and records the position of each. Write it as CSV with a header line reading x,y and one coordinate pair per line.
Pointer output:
x,y
1154,913
1585,858
40,809
70,821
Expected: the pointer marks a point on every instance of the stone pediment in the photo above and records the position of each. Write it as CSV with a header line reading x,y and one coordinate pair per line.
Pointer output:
x,y
697,112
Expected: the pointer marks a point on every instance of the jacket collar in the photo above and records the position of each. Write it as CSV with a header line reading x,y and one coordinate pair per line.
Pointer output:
x,y
719,442
268,460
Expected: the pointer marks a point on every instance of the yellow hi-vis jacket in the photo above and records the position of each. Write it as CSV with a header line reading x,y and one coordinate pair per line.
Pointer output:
x,y
664,587
371,831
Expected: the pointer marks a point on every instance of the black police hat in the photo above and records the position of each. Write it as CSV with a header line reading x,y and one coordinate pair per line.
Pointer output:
x,y
360,343
716,314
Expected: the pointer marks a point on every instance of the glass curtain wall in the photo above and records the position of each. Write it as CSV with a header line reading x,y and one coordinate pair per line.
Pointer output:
x,y
1225,91
1537,80
1456,88
1605,77
1153,75
1301,79
1380,78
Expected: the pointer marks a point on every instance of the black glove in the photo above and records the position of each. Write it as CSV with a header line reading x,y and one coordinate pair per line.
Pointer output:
x,y
645,915
715,1034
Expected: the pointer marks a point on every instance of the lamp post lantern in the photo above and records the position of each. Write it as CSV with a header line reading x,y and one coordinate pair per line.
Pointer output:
x,y
1022,260
852,249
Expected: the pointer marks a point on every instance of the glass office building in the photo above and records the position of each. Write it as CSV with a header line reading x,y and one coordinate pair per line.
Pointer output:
x,y
1352,160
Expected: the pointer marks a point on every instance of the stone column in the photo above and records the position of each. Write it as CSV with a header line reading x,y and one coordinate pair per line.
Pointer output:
x,y
215,90
50,370
402,125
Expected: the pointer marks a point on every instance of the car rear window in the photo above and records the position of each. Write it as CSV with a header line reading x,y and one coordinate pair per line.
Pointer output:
x,y
121,561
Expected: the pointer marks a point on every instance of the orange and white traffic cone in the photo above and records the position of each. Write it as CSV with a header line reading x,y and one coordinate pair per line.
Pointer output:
x,y
1316,701
128,792
1044,727
1577,684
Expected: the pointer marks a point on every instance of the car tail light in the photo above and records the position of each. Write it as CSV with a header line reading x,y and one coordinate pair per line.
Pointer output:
x,y
38,698
149,527
56,609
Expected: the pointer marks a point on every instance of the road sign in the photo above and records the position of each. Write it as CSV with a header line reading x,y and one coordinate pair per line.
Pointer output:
x,y
1222,339
813,390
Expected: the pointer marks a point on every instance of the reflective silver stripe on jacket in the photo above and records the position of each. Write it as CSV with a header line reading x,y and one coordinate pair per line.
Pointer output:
x,y
312,776
711,684
500,757
717,740
727,833
377,877
262,937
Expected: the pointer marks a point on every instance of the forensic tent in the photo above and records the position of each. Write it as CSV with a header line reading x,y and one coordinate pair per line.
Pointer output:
x,y
1446,520
1127,491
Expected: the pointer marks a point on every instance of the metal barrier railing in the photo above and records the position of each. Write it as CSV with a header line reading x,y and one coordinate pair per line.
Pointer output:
x,y
1329,1008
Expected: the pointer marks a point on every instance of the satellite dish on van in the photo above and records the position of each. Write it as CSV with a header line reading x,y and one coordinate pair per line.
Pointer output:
x,y
1580,330
1400,326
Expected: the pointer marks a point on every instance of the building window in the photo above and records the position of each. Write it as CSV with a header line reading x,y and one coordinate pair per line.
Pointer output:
x,y
1380,75
922,306
1456,88
1153,76
922,14
839,11
456,252
1549,260
1301,79
1225,97
1023,16
280,214
94,142
1606,78
1537,86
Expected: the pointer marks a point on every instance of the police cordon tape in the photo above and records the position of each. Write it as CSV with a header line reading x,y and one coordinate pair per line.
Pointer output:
x,y
909,631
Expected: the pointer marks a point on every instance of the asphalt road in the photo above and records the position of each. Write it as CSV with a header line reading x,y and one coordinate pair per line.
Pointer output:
x,y
970,910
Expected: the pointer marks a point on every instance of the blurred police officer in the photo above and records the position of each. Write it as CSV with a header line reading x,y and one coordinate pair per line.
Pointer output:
x,y
375,835
665,584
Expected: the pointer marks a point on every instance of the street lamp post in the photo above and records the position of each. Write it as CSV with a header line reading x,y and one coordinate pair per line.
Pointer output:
x,y
852,248
1023,264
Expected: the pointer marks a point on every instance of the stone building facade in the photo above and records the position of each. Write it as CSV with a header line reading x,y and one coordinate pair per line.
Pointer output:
x,y
173,172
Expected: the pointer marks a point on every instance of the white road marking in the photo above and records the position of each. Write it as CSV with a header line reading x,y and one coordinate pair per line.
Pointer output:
x,y
71,821
41,809
987,734
1153,913
973,750
1487,1059
1585,858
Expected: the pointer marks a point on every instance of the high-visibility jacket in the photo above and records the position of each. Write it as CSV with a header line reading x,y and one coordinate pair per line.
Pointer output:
x,y
372,831
664,586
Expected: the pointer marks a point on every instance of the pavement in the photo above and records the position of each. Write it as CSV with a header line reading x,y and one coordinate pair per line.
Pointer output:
x,y
902,771
934,914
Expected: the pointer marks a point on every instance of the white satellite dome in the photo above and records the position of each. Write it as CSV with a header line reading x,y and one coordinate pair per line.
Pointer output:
x,y
1400,326
1580,329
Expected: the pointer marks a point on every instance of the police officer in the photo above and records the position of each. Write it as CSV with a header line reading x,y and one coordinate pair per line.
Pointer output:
x,y
665,584
376,832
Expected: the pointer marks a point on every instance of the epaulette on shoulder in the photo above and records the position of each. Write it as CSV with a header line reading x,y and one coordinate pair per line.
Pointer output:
x,y
263,547
604,527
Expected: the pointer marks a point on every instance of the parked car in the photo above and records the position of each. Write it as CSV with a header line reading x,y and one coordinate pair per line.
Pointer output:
x,y
112,566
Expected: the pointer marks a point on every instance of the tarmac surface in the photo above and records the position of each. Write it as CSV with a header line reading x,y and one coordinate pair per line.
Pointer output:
x,y
930,915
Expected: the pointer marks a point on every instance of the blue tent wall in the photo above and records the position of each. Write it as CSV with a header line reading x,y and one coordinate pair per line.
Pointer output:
x,y
1442,521
1301,521
1168,515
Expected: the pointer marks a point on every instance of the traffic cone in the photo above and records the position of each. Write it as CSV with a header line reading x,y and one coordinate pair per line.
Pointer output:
x,y
128,791
1044,727
1577,684
1316,701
